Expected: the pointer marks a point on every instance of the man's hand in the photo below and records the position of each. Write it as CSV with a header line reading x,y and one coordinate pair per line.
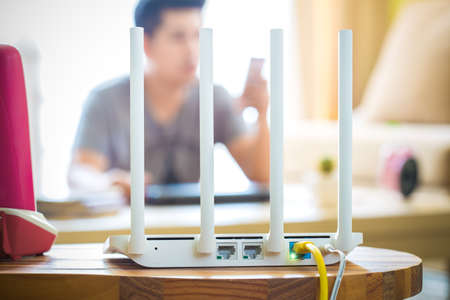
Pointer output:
x,y
256,95
121,179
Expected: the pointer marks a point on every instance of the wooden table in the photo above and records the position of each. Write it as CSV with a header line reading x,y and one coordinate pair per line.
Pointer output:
x,y
419,225
81,271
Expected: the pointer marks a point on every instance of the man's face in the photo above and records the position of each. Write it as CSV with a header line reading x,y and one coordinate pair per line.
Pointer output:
x,y
173,47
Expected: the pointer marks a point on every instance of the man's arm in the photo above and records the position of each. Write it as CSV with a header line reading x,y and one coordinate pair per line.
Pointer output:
x,y
90,158
88,170
252,151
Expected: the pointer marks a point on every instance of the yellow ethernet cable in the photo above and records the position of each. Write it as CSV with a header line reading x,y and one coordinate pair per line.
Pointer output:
x,y
306,247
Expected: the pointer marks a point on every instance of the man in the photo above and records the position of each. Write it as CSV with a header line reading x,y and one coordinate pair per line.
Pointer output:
x,y
101,146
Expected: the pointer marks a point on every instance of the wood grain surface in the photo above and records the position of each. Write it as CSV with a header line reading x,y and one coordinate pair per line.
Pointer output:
x,y
82,271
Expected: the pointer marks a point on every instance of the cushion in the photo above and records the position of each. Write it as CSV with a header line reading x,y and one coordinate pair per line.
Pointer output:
x,y
411,81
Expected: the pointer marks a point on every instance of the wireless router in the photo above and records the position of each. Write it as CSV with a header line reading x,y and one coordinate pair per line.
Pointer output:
x,y
208,249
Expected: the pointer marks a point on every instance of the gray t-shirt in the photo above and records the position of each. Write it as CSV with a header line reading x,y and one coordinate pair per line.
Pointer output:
x,y
172,151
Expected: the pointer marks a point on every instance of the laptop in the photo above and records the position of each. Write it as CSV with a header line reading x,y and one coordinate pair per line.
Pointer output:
x,y
189,193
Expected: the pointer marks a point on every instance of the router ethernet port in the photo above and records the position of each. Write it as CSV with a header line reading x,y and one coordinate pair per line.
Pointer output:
x,y
252,251
296,256
226,251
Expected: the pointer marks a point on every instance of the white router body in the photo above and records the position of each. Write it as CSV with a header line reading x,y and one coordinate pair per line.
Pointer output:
x,y
208,249
232,250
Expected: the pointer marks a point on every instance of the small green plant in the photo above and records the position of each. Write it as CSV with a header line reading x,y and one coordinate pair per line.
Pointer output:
x,y
326,165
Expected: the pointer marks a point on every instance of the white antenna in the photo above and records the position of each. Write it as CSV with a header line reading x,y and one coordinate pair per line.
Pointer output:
x,y
207,241
137,239
275,241
345,66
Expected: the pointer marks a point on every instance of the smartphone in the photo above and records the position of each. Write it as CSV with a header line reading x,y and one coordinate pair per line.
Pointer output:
x,y
254,69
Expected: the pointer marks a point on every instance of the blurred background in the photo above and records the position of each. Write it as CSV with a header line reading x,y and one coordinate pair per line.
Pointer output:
x,y
81,44
401,87
75,45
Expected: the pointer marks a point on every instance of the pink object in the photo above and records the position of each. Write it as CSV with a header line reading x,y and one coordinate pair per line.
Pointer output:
x,y
23,231
398,169
393,166
16,182
21,237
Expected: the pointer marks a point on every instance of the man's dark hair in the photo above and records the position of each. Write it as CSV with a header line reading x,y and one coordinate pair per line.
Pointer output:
x,y
148,12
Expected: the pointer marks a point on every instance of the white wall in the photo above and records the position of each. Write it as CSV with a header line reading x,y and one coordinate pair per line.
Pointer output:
x,y
82,43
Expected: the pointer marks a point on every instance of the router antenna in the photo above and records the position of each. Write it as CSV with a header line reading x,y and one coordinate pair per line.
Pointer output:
x,y
137,239
344,233
207,241
275,241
